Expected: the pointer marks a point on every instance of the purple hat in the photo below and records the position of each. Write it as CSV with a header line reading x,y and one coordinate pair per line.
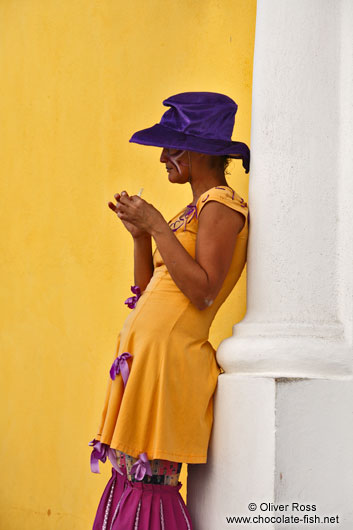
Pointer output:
x,y
197,121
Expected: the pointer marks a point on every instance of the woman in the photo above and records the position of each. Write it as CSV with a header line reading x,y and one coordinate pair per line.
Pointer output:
x,y
158,409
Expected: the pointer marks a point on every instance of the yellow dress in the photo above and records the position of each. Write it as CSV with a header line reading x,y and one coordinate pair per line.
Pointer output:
x,y
166,407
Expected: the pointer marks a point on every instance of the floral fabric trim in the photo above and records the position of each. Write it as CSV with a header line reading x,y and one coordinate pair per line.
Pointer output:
x,y
162,471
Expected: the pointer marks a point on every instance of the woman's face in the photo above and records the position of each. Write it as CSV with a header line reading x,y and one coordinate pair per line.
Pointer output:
x,y
177,164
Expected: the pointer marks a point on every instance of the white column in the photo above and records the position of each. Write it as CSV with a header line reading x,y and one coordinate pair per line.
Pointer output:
x,y
283,407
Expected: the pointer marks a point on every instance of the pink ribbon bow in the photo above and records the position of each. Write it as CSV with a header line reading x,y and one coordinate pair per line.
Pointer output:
x,y
101,452
120,366
132,301
141,467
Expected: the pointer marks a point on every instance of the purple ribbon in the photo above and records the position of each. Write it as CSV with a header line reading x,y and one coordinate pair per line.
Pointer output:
x,y
183,218
141,467
132,301
101,452
191,209
120,366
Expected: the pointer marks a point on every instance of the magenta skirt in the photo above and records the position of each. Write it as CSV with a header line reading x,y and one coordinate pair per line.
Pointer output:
x,y
127,505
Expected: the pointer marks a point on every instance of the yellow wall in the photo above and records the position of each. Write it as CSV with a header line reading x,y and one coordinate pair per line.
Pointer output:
x,y
78,77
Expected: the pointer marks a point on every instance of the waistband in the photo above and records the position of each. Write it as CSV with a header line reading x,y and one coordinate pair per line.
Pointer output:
x,y
161,488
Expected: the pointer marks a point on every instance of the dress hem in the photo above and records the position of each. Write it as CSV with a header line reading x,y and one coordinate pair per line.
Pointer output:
x,y
164,455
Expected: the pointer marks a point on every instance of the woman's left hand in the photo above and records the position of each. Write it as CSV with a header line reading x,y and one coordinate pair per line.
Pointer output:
x,y
140,213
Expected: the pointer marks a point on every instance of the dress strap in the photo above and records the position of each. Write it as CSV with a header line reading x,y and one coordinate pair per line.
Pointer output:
x,y
224,195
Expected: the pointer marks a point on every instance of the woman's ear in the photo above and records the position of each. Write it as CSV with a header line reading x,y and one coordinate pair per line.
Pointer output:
x,y
207,160
199,157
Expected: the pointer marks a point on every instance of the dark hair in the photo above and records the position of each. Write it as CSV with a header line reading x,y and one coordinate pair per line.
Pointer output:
x,y
220,161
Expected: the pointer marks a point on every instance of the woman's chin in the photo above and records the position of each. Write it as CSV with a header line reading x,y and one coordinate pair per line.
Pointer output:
x,y
172,177
175,179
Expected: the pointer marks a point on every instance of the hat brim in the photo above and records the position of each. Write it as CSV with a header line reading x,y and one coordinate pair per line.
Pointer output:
x,y
161,136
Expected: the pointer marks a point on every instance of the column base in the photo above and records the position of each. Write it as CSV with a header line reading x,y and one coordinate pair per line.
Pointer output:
x,y
291,350
275,442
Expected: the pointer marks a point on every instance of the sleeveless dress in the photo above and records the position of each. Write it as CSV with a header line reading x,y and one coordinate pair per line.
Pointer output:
x,y
161,402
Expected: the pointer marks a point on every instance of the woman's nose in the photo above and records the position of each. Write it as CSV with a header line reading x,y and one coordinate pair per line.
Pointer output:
x,y
164,155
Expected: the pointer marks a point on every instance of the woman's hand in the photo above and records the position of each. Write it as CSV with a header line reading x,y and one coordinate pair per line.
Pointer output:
x,y
134,231
137,215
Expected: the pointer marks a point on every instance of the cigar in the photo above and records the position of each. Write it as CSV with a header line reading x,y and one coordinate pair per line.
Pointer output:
x,y
140,192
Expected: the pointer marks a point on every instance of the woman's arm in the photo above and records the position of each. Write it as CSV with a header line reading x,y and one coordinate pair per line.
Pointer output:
x,y
200,279
143,261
